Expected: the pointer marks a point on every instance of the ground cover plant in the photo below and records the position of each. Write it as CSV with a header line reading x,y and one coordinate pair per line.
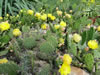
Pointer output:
x,y
47,37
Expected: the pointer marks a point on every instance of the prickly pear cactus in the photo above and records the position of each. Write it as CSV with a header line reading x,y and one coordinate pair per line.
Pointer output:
x,y
46,51
45,70
9,68
88,61
47,48
29,42
70,45
46,57
27,63
53,40
73,49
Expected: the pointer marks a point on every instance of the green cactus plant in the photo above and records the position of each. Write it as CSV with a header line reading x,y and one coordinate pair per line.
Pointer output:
x,y
3,52
88,61
44,56
29,42
46,51
70,45
47,48
68,41
53,40
4,40
73,49
45,70
9,68
27,63
25,28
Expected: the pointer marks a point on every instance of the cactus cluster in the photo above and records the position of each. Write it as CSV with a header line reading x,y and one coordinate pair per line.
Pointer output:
x,y
47,48
43,49
29,42
88,61
53,40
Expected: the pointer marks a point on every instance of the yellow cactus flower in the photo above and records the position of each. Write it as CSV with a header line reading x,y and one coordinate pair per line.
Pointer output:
x,y
1,18
44,17
70,11
21,11
66,68
4,26
16,32
17,16
77,37
93,44
49,15
68,15
7,15
88,25
56,26
67,59
92,1
4,60
38,15
63,24
59,13
61,40
98,28
61,0
53,18
30,12
44,26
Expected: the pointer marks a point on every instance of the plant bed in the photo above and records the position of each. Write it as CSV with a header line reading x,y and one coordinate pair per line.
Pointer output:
x,y
59,41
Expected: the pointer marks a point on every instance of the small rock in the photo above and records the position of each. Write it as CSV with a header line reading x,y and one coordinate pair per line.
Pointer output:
x,y
78,71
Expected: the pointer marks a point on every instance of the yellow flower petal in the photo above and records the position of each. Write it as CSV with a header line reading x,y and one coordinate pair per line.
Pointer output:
x,y
53,18
59,13
38,15
63,24
1,18
49,15
56,26
16,32
4,26
61,40
4,60
30,12
93,44
44,17
44,26
98,28
67,59
77,37
66,68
